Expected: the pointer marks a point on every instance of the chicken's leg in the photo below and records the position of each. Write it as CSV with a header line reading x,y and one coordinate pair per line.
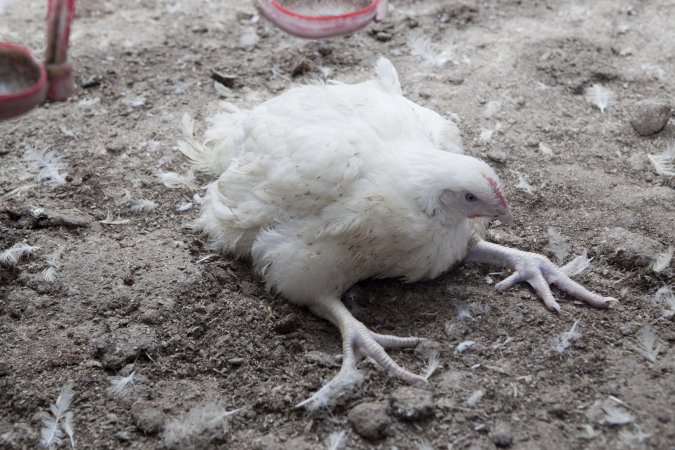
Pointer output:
x,y
357,341
535,269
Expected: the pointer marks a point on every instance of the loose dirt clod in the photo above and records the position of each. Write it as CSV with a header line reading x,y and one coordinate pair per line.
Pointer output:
x,y
650,116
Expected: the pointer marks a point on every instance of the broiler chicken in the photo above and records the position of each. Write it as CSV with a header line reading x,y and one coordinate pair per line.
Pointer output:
x,y
326,185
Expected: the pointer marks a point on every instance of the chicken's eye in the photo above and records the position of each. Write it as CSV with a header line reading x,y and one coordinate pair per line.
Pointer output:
x,y
470,197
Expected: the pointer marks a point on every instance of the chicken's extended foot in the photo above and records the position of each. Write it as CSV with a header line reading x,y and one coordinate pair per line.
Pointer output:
x,y
357,341
538,271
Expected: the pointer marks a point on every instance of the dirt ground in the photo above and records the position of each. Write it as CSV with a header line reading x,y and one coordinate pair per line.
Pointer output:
x,y
142,293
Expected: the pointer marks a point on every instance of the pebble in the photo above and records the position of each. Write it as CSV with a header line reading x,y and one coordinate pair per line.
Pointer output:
x,y
370,420
650,116
502,436
412,404
147,417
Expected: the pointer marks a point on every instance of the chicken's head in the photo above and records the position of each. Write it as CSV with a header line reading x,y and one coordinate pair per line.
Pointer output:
x,y
469,189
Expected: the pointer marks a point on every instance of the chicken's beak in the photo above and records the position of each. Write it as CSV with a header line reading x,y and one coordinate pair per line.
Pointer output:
x,y
505,216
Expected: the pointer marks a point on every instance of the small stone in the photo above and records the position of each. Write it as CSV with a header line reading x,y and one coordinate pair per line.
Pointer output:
x,y
412,404
650,116
497,156
152,316
122,436
502,436
370,420
320,358
147,417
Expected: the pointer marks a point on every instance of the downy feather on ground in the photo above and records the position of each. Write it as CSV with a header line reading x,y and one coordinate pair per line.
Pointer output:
x,y
336,440
174,180
648,346
524,184
49,163
600,96
664,163
557,245
196,428
430,53
664,296
142,205
52,431
564,341
119,385
464,346
662,260
577,265
432,365
475,397
16,252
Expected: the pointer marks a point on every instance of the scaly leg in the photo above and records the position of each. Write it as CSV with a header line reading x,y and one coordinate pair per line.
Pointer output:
x,y
357,341
537,270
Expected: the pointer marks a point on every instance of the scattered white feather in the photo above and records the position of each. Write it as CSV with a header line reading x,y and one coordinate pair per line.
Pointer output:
x,y
426,446
464,346
464,313
633,439
577,265
590,432
174,180
68,428
16,252
206,258
648,346
423,48
600,96
143,205
616,415
336,440
557,245
197,199
49,164
49,274
663,260
523,184
485,135
492,108
564,341
545,149
134,101
664,296
664,163
475,397
110,220
184,207
432,365
195,428
52,433
331,392
120,384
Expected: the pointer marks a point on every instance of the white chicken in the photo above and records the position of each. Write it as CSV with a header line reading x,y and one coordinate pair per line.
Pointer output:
x,y
326,185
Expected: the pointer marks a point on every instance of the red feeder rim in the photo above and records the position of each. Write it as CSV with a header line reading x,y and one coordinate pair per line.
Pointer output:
x,y
323,26
16,103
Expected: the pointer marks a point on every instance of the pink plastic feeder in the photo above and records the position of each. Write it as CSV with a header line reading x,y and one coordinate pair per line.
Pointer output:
x,y
24,82
316,19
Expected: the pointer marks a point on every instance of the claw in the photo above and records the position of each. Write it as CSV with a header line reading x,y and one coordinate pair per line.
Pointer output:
x,y
538,271
357,341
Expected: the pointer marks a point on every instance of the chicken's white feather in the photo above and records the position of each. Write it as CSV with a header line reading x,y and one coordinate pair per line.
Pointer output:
x,y
664,163
12,255
600,96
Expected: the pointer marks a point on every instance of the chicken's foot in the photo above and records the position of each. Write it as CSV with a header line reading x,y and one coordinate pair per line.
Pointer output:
x,y
357,341
537,270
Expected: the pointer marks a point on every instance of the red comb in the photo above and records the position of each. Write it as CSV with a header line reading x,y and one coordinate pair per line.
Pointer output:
x,y
498,192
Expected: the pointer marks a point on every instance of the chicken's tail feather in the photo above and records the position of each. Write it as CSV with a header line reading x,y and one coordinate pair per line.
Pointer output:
x,y
387,75
222,140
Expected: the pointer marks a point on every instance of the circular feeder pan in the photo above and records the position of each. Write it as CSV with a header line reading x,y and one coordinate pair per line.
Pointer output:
x,y
317,19
23,81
